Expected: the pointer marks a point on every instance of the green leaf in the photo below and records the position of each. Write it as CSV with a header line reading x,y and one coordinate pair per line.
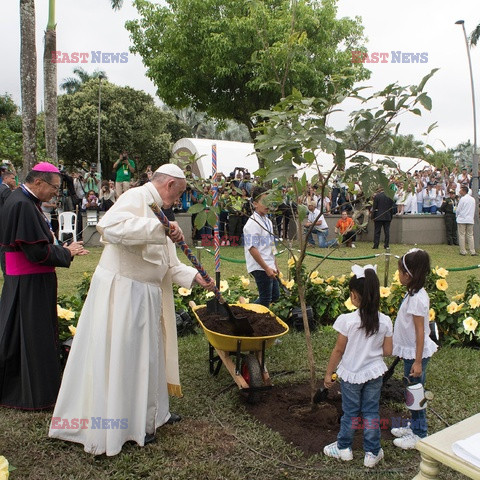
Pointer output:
x,y
198,207
425,79
201,220
211,218
425,101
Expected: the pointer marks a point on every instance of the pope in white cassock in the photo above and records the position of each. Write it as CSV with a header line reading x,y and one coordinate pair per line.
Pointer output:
x,y
124,359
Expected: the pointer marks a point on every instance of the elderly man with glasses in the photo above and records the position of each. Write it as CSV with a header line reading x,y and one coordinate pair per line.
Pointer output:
x,y
29,360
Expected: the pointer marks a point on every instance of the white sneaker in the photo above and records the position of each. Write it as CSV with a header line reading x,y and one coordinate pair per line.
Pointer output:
x,y
333,451
407,442
371,460
353,245
402,431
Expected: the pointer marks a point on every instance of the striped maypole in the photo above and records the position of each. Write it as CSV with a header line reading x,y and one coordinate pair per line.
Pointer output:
x,y
216,236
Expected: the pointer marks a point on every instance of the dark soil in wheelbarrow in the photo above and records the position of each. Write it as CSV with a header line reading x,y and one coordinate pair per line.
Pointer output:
x,y
263,324
287,410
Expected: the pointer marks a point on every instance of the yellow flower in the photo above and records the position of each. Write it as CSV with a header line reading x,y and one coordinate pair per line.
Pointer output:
x,y
341,279
72,329
329,290
474,302
318,280
459,296
453,307
348,303
441,272
442,284
65,313
330,279
247,300
291,262
280,275
396,277
391,309
470,324
290,284
3,468
245,281
184,292
431,314
209,294
314,275
223,286
385,292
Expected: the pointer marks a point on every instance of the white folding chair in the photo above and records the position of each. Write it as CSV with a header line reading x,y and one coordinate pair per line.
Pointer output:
x,y
67,223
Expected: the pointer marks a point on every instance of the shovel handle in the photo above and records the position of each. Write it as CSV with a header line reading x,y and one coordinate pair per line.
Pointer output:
x,y
186,250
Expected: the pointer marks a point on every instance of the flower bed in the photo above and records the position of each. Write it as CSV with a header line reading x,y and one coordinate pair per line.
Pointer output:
x,y
457,318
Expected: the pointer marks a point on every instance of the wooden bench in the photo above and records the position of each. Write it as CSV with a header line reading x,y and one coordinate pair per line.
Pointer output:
x,y
436,449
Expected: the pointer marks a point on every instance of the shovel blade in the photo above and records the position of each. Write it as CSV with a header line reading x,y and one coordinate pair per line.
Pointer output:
x,y
321,395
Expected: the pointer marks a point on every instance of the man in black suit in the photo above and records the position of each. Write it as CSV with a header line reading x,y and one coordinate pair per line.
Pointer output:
x,y
382,216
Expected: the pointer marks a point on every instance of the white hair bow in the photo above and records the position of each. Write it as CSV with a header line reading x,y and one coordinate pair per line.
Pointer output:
x,y
359,271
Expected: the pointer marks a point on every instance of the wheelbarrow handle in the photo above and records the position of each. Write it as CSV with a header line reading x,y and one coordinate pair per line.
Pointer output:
x,y
186,249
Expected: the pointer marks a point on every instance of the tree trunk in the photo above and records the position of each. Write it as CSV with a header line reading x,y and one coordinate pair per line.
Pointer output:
x,y
28,79
50,95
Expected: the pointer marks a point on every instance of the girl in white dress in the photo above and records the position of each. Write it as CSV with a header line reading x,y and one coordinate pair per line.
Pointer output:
x,y
411,340
364,337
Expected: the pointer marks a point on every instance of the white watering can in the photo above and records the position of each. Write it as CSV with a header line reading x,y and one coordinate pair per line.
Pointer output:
x,y
416,397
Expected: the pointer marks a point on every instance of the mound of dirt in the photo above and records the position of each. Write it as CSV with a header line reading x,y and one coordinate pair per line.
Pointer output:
x,y
287,410
263,324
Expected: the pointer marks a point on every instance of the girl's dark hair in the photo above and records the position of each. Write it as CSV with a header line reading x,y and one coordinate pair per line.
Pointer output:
x,y
417,265
368,288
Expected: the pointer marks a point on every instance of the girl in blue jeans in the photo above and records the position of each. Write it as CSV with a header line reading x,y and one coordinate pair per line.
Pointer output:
x,y
411,340
364,337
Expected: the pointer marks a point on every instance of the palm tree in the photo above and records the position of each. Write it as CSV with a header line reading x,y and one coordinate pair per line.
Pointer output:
x,y
28,79
475,36
50,85
72,84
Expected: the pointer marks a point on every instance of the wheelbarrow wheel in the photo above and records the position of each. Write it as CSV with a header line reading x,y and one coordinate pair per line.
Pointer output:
x,y
252,373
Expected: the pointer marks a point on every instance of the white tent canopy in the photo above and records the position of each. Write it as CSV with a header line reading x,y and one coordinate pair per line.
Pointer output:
x,y
238,154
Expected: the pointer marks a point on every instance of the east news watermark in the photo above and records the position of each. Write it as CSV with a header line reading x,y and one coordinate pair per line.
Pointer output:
x,y
96,56
394,56
94,423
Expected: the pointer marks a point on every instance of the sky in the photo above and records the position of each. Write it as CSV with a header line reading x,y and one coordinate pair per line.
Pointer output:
x,y
407,26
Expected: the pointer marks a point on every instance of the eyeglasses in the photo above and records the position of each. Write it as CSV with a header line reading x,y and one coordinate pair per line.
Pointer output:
x,y
56,187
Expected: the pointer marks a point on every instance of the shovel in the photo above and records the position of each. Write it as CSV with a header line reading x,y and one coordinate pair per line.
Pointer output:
x,y
241,327
322,393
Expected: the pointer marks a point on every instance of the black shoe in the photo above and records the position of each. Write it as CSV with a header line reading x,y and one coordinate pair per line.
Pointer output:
x,y
375,248
149,438
174,418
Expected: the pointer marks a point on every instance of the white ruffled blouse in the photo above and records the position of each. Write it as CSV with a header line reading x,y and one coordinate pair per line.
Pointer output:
x,y
363,357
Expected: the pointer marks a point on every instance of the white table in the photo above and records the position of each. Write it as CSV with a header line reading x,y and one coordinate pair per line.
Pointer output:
x,y
436,449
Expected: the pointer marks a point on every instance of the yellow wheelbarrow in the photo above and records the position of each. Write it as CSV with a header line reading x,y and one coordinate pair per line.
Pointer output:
x,y
248,370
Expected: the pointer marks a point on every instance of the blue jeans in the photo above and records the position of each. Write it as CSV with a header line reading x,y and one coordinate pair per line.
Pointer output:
x,y
418,423
361,400
322,238
268,288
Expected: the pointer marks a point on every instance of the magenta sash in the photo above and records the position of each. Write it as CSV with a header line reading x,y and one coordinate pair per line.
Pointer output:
x,y
18,264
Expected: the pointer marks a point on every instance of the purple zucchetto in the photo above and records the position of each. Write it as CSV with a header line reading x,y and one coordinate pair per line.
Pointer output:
x,y
45,167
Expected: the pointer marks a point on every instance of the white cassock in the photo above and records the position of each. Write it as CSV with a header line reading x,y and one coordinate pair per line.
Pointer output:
x,y
124,359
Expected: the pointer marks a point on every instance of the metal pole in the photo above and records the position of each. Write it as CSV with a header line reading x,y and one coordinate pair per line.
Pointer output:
x,y
476,226
99,163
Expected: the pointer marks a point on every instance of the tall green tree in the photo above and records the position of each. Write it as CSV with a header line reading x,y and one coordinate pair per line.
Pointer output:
x,y
10,131
475,36
73,84
232,58
28,79
130,120
50,85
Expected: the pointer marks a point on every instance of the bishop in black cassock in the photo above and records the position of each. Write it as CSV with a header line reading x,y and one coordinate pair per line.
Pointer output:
x,y
29,357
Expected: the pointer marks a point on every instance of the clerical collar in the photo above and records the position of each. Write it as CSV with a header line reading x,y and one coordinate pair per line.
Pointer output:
x,y
29,194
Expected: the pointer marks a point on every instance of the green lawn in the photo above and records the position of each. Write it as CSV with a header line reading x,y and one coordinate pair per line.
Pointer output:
x,y
218,440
